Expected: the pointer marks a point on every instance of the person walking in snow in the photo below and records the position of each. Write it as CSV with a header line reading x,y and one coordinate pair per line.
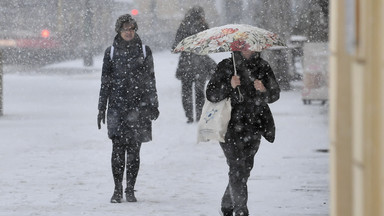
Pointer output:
x,y
128,89
250,92
192,68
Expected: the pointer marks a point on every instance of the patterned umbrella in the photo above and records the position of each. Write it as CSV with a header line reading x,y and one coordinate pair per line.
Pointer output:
x,y
227,38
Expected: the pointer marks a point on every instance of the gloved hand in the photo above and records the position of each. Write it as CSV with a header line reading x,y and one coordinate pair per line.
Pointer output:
x,y
100,117
153,113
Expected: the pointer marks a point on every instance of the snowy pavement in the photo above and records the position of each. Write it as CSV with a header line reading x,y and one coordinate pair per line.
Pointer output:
x,y
54,160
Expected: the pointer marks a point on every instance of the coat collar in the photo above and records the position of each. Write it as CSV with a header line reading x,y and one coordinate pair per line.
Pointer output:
x,y
122,44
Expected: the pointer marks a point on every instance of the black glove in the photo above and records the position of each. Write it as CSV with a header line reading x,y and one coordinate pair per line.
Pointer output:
x,y
153,114
100,117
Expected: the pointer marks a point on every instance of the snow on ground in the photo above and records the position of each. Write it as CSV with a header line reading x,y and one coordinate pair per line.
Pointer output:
x,y
54,160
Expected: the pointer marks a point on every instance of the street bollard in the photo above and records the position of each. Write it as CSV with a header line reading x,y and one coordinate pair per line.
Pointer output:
x,y
1,83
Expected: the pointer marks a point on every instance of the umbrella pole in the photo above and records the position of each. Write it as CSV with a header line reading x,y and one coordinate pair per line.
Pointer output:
x,y
241,97
234,64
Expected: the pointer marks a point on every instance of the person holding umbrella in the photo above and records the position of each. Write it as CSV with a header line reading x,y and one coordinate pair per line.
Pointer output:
x,y
250,91
250,83
128,89
192,68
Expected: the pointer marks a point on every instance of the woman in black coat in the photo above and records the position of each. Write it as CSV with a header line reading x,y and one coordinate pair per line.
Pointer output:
x,y
193,68
250,92
128,89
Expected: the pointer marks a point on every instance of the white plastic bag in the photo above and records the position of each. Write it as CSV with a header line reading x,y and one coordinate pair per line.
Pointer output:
x,y
214,121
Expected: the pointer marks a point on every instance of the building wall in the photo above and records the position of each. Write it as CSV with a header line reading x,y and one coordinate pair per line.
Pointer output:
x,y
357,107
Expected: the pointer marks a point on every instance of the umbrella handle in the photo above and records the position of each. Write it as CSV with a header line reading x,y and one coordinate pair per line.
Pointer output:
x,y
234,64
241,97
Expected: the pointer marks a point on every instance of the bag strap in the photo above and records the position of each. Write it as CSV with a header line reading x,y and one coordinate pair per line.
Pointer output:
x,y
111,53
112,49
144,51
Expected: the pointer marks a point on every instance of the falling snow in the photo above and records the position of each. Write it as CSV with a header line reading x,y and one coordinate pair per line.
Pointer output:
x,y
56,162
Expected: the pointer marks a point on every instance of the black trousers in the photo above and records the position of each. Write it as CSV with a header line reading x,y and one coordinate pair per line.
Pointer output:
x,y
187,96
125,153
239,150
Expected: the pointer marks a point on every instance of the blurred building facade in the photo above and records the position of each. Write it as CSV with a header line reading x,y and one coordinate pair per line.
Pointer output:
x,y
35,31
357,107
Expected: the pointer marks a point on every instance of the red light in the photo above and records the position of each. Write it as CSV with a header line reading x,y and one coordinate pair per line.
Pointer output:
x,y
134,12
45,33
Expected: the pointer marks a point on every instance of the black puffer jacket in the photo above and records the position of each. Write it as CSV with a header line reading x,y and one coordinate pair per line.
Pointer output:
x,y
128,86
252,114
191,65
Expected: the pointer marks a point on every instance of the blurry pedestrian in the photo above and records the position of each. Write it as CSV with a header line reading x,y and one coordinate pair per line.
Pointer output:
x,y
128,89
192,68
250,92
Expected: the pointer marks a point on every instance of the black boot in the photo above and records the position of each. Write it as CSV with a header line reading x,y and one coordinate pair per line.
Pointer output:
x,y
117,194
242,213
227,212
130,195
190,120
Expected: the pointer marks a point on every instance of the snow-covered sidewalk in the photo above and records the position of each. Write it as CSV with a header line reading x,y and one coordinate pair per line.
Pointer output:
x,y
54,160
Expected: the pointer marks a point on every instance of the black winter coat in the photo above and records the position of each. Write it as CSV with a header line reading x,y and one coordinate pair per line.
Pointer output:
x,y
252,115
128,88
192,66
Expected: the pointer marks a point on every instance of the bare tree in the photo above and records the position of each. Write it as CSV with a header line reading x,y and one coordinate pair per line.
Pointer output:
x,y
308,18
312,20
233,11
275,16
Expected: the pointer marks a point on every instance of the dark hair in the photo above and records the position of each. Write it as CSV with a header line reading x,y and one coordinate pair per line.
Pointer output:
x,y
126,18
196,12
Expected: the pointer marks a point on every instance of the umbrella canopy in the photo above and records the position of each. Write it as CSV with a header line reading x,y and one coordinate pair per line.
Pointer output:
x,y
227,38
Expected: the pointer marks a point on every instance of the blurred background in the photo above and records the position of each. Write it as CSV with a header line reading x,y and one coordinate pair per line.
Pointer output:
x,y
40,32
46,31
35,33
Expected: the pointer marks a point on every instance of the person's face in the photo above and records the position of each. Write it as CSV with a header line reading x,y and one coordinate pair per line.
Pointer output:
x,y
127,32
247,53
